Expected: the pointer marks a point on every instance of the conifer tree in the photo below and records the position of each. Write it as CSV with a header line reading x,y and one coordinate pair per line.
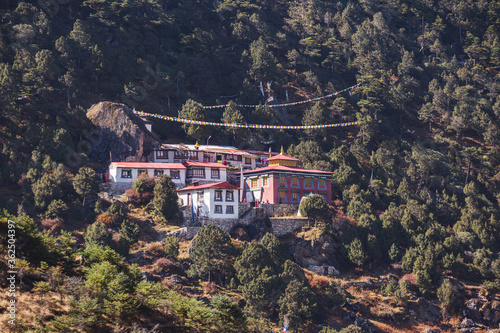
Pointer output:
x,y
165,197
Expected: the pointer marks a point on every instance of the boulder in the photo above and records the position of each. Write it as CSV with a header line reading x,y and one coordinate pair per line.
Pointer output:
x,y
431,330
176,279
467,323
119,132
472,306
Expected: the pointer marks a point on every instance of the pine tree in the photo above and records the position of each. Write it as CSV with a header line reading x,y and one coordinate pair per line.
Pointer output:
x,y
165,197
210,253
297,304
85,183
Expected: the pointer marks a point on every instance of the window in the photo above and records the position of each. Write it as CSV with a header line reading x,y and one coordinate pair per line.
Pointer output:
x,y
295,181
218,209
200,196
215,173
229,210
196,173
238,158
126,173
185,155
282,196
282,181
207,157
229,157
254,182
218,196
142,172
321,183
323,194
248,160
265,181
161,154
295,196
175,174
308,182
229,196
158,173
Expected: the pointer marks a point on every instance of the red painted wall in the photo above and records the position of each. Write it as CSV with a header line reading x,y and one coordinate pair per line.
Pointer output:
x,y
272,192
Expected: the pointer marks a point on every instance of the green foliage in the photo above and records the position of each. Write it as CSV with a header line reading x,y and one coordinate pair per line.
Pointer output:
x,y
356,253
227,316
57,208
194,111
165,198
348,329
420,97
210,253
297,304
394,253
314,207
85,183
94,253
144,184
97,234
275,249
447,295
129,235
171,247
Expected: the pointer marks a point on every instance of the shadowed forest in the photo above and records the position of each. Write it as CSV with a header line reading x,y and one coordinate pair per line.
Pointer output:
x,y
416,182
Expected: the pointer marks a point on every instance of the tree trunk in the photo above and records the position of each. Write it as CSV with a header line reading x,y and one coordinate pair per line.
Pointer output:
x,y
468,170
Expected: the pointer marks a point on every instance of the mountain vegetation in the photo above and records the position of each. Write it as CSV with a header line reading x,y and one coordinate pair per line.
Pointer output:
x,y
416,182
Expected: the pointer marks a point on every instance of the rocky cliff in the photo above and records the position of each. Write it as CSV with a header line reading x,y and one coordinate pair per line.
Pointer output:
x,y
120,132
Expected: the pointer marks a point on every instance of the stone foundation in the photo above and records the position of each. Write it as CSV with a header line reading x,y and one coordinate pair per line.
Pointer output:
x,y
279,225
115,189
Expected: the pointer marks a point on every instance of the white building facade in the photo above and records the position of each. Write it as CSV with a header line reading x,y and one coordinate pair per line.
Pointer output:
x,y
205,172
214,201
129,172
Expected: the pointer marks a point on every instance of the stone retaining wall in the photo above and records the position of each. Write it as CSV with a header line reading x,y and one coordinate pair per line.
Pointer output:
x,y
280,209
283,226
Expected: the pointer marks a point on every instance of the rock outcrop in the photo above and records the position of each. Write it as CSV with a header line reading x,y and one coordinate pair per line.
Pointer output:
x,y
318,253
120,132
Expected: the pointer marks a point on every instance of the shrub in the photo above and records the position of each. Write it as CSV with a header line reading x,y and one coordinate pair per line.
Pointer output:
x,y
107,219
144,184
210,288
163,262
98,234
57,208
172,247
315,207
447,295
51,224
138,199
412,278
318,282
155,249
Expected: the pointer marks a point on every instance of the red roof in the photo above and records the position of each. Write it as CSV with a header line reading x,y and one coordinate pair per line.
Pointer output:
x,y
286,168
205,164
224,185
283,158
146,165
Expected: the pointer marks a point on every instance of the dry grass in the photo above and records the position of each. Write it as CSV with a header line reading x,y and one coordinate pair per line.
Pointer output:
x,y
30,308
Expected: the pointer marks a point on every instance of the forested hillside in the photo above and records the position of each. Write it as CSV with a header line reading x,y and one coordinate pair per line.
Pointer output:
x,y
417,181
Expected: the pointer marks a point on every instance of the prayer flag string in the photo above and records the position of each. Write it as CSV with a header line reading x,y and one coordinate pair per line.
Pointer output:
x,y
233,125
286,104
